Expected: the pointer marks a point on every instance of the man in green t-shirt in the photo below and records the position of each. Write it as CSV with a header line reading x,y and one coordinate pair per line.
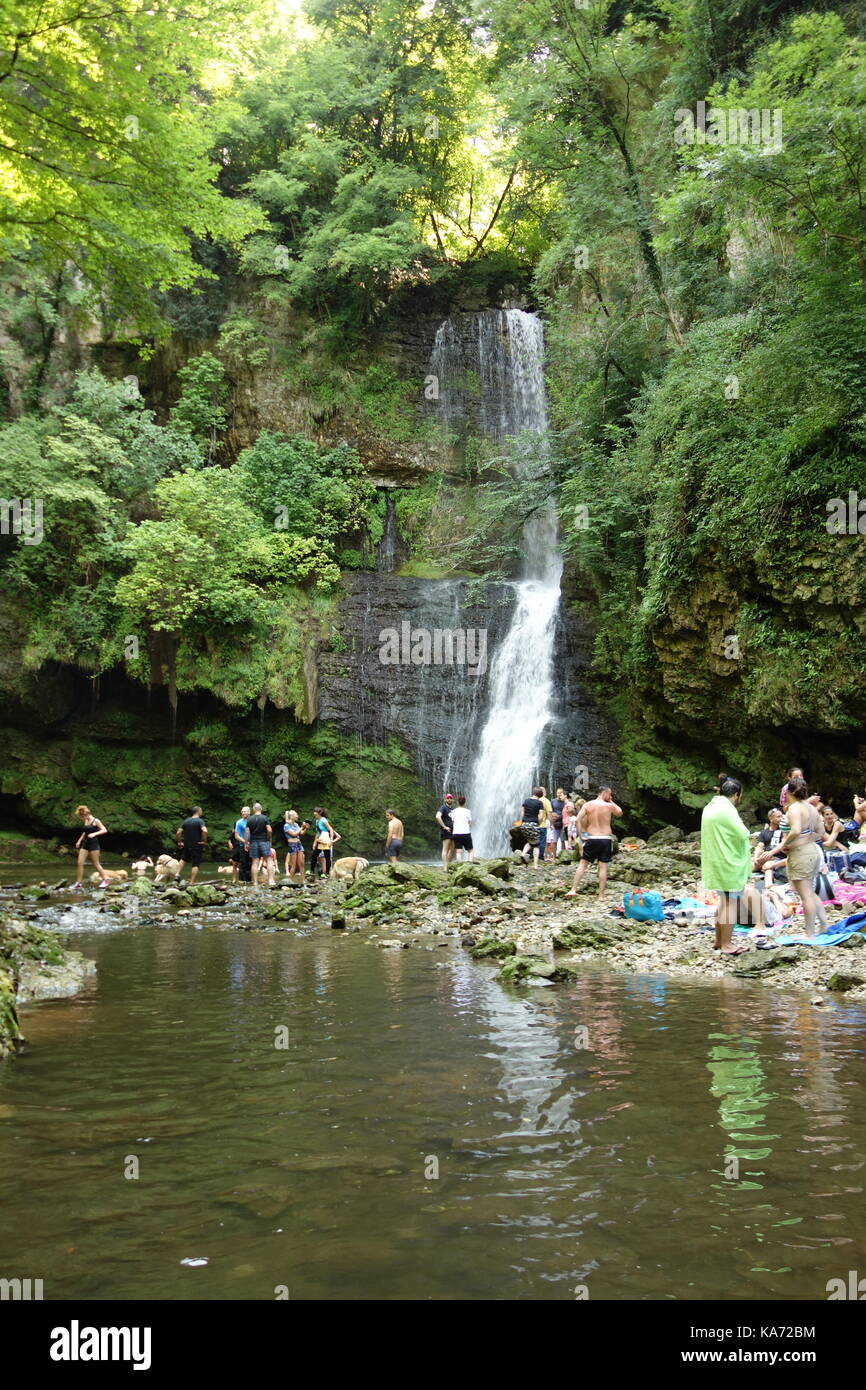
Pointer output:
x,y
726,860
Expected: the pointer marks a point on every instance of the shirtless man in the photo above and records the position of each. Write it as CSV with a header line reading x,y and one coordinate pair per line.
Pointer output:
x,y
594,818
394,840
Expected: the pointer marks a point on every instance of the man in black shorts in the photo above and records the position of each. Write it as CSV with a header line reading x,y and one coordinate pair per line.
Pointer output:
x,y
192,838
594,827
443,820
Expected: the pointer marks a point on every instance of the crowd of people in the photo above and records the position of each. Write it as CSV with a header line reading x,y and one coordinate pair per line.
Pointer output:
x,y
804,846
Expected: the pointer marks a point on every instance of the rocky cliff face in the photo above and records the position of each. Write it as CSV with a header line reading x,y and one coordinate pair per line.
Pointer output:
x,y
434,710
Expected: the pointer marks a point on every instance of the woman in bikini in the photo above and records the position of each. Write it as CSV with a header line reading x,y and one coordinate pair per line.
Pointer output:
x,y
802,843
87,845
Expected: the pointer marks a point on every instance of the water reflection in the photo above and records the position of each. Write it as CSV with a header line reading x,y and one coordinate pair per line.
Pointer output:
x,y
556,1164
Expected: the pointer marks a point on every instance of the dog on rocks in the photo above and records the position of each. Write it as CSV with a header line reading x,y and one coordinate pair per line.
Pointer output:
x,y
350,868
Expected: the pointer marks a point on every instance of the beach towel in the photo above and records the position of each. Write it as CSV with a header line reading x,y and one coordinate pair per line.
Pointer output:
x,y
833,936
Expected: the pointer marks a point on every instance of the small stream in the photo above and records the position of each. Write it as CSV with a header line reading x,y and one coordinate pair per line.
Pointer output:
x,y
312,1166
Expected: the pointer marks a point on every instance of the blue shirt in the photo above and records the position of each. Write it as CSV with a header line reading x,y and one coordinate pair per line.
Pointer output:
x,y
240,829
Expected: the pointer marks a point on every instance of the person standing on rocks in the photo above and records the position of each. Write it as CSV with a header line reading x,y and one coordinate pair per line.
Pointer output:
x,y
802,843
443,820
87,845
531,813
726,860
325,839
594,818
243,861
293,829
461,822
191,838
257,841
394,837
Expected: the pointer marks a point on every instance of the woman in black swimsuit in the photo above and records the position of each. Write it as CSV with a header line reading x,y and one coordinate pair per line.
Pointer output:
x,y
87,844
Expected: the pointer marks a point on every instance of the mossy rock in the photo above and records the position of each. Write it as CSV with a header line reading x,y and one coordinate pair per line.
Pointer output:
x,y
452,897
10,1032
488,948
475,876
293,910
519,967
854,941
839,982
417,876
204,894
668,835
140,888
758,962
499,868
35,894
596,935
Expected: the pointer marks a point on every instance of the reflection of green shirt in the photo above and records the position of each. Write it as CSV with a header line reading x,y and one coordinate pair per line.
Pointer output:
x,y
726,857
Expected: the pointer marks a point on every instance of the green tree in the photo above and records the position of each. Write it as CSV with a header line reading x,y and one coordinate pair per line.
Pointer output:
x,y
106,120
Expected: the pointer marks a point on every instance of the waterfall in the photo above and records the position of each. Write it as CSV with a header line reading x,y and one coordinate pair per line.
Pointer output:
x,y
504,353
386,551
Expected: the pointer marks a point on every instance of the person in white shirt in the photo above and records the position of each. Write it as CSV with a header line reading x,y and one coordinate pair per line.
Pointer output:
x,y
461,821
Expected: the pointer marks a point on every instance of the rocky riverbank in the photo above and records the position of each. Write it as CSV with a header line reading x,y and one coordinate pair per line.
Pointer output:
x,y
34,964
502,910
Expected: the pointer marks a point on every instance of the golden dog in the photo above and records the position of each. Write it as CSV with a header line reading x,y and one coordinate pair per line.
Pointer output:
x,y
350,867
167,868
112,875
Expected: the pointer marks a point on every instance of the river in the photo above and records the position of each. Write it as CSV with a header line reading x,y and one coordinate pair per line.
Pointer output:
x,y
310,1168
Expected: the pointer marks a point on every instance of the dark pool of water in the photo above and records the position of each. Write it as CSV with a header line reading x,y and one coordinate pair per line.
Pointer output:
x,y
312,1166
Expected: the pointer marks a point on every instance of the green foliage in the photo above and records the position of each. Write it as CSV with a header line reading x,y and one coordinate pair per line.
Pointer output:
x,y
116,179
200,411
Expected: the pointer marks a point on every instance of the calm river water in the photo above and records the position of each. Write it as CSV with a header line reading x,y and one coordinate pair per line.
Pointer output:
x,y
610,1167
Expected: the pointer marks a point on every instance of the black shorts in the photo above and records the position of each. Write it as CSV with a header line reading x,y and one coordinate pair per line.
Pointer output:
x,y
192,855
462,841
394,849
446,835
598,849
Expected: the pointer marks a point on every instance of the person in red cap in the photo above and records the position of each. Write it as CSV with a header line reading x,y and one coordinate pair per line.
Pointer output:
x,y
443,820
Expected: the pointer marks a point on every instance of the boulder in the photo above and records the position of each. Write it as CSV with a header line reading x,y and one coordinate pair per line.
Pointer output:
x,y
488,948
140,888
499,868
204,894
474,876
758,962
839,983
646,867
598,934
289,910
668,835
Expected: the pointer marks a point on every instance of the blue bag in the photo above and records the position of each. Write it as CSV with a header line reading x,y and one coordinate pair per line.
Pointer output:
x,y
643,907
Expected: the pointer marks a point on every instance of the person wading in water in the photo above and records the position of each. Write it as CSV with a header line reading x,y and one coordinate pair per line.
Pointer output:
x,y
87,845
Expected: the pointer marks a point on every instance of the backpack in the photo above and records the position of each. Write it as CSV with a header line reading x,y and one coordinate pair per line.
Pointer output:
x,y
643,907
